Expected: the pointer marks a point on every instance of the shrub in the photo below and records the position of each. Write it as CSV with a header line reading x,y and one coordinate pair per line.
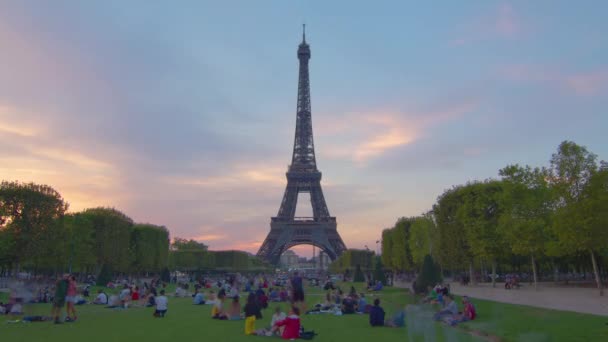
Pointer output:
x,y
105,275
379,271
430,275
359,277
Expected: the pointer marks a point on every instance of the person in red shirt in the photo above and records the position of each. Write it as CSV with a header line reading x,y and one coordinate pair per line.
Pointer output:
x,y
469,310
135,294
291,324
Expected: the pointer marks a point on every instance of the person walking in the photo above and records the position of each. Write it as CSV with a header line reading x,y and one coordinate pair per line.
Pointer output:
x,y
70,299
61,289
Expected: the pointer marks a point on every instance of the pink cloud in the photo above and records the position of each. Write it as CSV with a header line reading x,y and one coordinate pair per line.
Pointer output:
x,y
588,83
502,23
580,83
365,135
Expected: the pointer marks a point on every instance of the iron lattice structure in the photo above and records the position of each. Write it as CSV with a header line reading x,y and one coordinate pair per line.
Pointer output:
x,y
287,230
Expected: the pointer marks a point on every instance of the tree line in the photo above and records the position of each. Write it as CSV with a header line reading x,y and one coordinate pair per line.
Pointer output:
x,y
39,236
556,216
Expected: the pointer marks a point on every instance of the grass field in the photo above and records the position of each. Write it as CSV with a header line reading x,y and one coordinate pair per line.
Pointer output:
x,y
186,322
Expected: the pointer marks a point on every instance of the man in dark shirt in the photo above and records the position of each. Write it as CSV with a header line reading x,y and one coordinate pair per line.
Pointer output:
x,y
298,290
376,314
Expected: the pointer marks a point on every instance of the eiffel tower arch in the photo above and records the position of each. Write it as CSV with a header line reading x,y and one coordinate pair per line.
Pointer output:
x,y
287,230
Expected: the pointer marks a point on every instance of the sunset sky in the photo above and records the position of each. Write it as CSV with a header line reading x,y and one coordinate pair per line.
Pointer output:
x,y
182,113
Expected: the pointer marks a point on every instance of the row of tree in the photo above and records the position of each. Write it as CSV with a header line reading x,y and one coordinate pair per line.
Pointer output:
x,y
38,235
191,256
556,214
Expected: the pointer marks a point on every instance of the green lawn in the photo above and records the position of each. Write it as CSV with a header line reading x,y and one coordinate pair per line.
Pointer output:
x,y
186,322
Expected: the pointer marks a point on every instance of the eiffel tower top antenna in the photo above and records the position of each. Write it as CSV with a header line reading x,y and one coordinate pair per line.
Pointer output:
x,y
304,33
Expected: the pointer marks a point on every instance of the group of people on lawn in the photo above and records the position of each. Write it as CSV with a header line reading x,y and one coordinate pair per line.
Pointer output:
x,y
449,312
285,325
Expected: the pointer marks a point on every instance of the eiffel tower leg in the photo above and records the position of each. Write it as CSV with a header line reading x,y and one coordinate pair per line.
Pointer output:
x,y
290,201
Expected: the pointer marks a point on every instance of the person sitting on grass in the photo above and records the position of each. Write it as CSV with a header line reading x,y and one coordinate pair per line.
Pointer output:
x,y
291,325
277,316
348,305
361,304
252,312
198,298
397,321
161,305
217,312
469,309
376,314
101,299
449,311
125,296
468,314
234,314
432,295
273,295
283,295
378,286
211,298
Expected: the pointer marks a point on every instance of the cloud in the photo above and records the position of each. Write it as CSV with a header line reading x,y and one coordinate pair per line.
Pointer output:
x,y
363,136
502,23
586,83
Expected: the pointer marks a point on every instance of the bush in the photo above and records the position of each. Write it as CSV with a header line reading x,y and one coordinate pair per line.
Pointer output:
x,y
105,275
379,271
359,277
430,275
165,275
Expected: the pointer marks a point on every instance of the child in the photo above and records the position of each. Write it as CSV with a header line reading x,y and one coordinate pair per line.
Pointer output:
x,y
291,325
252,312
161,305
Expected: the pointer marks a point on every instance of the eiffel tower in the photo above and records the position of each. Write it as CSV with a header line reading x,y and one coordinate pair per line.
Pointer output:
x,y
287,230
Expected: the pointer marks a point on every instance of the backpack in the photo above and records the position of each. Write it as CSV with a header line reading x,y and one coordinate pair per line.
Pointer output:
x,y
308,335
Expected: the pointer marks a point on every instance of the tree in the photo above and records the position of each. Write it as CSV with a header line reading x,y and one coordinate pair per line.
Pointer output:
x,y
401,255
358,277
387,247
479,212
575,178
420,242
379,271
150,246
526,218
430,275
26,212
453,250
180,244
112,238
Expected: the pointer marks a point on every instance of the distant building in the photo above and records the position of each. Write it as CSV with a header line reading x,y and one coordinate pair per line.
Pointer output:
x,y
289,259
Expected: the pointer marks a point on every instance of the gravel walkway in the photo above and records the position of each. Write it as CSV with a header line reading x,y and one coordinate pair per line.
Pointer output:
x,y
548,296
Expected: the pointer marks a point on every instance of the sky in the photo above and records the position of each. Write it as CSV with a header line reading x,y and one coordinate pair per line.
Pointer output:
x,y
182,113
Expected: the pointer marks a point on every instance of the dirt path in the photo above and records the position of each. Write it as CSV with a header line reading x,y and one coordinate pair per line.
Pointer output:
x,y
583,300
